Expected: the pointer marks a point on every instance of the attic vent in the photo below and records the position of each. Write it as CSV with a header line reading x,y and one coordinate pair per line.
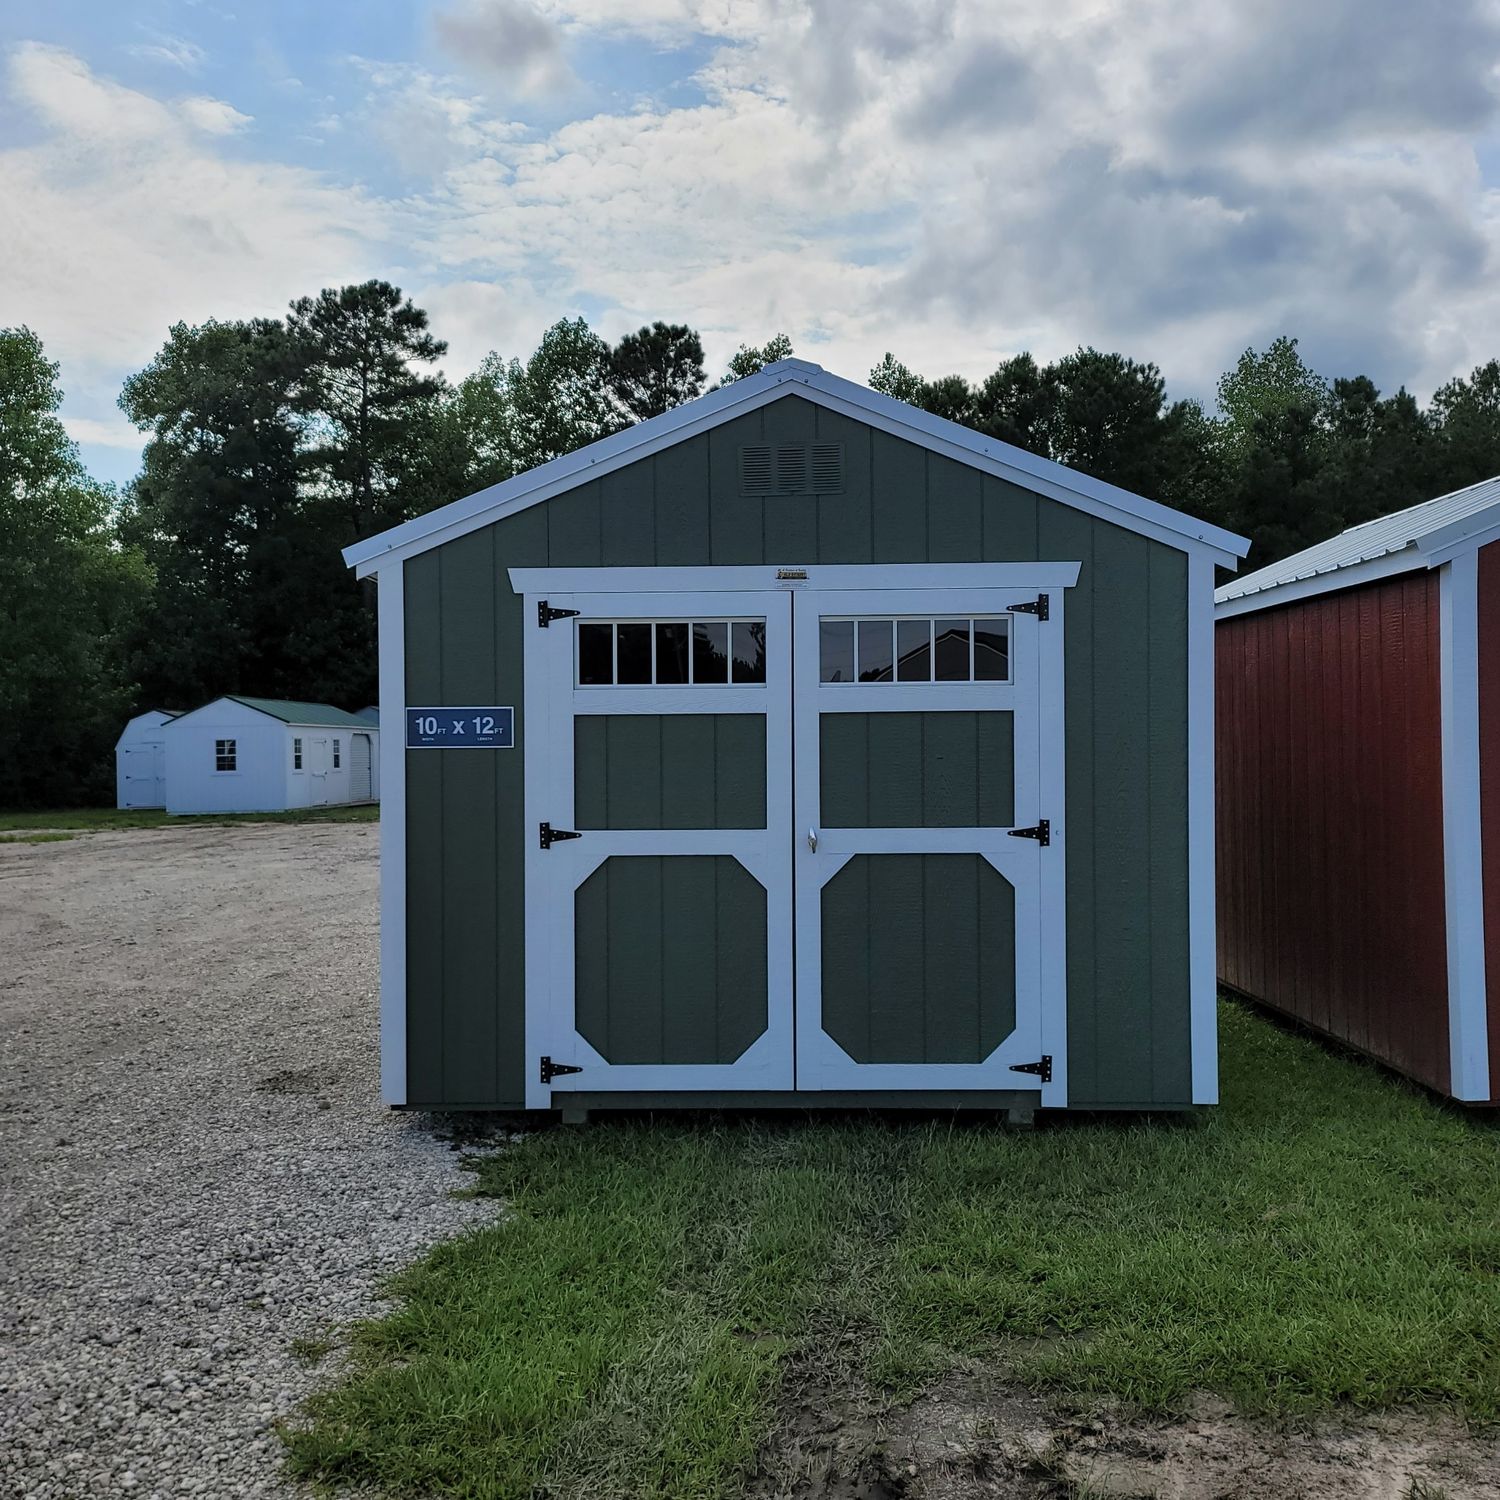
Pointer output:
x,y
792,468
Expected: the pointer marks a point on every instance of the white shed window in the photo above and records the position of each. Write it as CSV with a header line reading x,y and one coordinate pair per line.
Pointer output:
x,y
923,649
296,754
335,755
671,653
226,755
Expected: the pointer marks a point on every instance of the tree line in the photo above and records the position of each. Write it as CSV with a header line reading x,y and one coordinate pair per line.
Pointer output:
x,y
273,443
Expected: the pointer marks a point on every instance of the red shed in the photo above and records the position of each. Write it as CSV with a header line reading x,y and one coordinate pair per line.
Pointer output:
x,y
1358,734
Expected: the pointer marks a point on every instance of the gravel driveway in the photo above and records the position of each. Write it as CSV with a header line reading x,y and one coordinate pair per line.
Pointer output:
x,y
195,1169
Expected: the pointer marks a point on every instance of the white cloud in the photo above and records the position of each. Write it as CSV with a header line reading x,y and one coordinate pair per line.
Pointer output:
x,y
123,219
174,51
212,116
103,432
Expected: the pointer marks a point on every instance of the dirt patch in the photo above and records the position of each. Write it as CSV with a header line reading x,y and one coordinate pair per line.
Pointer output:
x,y
975,1437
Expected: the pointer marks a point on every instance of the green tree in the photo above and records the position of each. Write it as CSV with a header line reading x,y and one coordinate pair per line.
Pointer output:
x,y
560,399
67,595
1261,386
656,368
892,378
372,414
482,425
1465,416
216,510
747,359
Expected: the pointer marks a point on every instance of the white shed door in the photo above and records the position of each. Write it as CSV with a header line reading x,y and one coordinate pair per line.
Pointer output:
x,y
872,770
317,771
145,776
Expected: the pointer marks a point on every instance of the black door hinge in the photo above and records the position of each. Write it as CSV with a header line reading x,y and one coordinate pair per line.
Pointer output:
x,y
551,835
1042,833
1043,1069
1041,607
551,1070
546,614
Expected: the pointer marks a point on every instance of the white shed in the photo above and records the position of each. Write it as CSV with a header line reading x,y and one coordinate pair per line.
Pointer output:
x,y
140,761
241,754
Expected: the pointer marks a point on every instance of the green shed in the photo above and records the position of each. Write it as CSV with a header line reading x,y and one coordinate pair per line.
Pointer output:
x,y
798,747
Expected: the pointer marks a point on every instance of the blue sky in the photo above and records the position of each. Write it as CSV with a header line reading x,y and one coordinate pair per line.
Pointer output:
x,y
948,179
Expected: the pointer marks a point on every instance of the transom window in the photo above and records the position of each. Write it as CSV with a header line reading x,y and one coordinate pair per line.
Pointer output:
x,y
671,653
226,755
970,648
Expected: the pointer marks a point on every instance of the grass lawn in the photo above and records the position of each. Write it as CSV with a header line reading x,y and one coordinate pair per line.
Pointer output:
x,y
1326,1237
91,819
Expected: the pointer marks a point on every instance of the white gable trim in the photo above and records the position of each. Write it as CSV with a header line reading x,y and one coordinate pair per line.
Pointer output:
x,y
249,708
796,377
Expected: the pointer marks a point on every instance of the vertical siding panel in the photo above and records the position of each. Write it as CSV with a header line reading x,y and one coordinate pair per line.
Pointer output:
x,y
736,521
791,521
627,517
680,485
1166,831
574,537
689,771
1008,522
426,983
898,491
635,801
469,867
844,532
951,1030
955,511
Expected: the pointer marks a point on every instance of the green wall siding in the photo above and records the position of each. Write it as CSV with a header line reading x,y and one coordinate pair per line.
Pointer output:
x,y
917,770
1126,702
670,959
919,958
670,771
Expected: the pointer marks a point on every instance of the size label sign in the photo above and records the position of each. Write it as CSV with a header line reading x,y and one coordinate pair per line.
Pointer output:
x,y
460,728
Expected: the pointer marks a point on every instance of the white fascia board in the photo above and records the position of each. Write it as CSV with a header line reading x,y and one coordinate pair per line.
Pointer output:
x,y
1463,860
1407,560
794,377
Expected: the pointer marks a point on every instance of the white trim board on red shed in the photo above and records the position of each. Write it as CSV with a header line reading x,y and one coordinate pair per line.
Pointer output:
x,y
796,377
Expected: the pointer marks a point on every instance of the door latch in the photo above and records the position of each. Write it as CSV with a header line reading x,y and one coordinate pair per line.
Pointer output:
x,y
812,839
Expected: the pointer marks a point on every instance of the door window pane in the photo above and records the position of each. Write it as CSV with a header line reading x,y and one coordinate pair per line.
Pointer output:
x,y
633,642
836,650
596,655
875,650
749,651
711,651
672,653
950,650
914,650
991,651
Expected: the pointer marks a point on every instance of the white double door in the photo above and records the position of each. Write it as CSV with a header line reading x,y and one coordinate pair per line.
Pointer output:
x,y
879,767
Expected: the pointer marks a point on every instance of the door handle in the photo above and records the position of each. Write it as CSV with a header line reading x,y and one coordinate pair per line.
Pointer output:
x,y
812,839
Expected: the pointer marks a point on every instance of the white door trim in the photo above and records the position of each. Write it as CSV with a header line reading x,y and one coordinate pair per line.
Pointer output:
x,y
1203,957
1463,860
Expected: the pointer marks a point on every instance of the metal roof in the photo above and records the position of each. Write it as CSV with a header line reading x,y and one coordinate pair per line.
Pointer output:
x,y
289,711
787,377
1424,529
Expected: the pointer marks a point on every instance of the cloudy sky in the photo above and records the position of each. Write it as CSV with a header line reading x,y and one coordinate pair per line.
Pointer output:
x,y
953,180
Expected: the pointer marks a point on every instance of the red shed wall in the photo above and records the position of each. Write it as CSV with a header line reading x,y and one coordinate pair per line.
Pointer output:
x,y
1489,787
1330,817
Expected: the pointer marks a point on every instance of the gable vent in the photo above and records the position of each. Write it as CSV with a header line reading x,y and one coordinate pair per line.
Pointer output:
x,y
792,468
